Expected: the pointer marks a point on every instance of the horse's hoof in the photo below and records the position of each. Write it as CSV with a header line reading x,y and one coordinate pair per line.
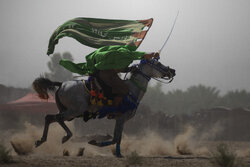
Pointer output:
x,y
93,142
66,138
119,155
38,143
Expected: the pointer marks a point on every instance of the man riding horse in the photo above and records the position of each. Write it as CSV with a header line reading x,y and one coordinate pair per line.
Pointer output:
x,y
116,40
106,62
113,56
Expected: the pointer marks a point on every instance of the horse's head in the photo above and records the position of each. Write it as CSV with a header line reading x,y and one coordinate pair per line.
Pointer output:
x,y
154,69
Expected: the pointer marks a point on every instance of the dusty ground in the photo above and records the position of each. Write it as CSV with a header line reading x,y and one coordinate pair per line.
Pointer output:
x,y
103,157
59,161
108,161
153,149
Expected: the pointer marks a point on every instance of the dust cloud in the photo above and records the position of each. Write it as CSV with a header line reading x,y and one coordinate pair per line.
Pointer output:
x,y
243,152
24,142
150,144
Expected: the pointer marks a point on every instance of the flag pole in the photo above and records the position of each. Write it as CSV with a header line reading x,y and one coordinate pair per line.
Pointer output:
x,y
169,34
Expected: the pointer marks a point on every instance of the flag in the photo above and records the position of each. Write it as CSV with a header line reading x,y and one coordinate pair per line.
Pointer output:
x,y
95,32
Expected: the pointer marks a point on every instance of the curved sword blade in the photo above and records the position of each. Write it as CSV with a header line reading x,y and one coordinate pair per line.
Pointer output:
x,y
169,34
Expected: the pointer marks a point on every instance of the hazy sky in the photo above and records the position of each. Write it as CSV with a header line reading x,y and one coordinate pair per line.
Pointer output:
x,y
210,44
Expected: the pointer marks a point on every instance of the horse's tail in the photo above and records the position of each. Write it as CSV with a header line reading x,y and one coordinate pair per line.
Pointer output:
x,y
43,85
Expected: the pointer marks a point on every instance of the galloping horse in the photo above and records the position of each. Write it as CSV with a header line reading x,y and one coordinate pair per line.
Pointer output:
x,y
72,99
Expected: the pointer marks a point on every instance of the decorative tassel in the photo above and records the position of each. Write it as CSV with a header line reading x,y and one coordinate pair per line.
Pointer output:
x,y
93,101
110,102
100,96
92,93
100,103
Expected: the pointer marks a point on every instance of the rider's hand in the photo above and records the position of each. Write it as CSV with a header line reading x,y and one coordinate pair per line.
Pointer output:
x,y
156,55
149,56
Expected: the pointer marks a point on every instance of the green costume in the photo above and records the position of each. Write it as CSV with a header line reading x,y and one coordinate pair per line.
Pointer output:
x,y
105,58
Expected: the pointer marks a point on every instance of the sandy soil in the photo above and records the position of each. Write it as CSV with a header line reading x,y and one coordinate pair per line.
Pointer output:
x,y
152,148
94,157
107,161
58,161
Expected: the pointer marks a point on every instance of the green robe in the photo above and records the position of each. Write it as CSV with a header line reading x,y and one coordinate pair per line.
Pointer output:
x,y
105,58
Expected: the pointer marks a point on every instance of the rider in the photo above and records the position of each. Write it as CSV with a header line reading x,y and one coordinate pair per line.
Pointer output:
x,y
106,62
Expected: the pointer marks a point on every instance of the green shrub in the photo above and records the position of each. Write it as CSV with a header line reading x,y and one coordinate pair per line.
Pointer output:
x,y
134,159
225,157
5,156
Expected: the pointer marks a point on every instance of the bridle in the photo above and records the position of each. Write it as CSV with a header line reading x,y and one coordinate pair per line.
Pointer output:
x,y
153,63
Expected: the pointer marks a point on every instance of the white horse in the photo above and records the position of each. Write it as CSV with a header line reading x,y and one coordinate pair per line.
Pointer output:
x,y
72,99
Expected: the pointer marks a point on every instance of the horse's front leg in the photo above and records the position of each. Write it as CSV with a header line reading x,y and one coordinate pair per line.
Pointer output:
x,y
118,135
116,139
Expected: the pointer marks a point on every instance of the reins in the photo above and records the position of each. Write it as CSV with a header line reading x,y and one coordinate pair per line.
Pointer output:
x,y
169,79
139,71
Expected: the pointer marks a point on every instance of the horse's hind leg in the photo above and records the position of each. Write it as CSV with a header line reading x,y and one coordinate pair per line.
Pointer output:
x,y
48,120
60,120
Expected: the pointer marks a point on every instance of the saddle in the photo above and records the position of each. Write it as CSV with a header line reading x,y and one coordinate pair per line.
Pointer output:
x,y
101,99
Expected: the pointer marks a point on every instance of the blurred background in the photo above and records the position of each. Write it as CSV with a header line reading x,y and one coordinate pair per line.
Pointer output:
x,y
209,48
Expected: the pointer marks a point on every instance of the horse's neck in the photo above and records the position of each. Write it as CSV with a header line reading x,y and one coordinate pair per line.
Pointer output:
x,y
138,85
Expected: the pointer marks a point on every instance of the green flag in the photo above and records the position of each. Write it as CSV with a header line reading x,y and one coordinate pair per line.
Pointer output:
x,y
96,33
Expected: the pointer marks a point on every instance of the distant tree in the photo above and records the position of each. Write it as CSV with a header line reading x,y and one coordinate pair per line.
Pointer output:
x,y
180,102
10,93
200,97
57,72
176,102
155,97
236,99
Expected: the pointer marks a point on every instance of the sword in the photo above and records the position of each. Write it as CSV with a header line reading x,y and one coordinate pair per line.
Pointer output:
x,y
169,34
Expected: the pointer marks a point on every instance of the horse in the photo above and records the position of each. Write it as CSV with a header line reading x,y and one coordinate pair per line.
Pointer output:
x,y
72,99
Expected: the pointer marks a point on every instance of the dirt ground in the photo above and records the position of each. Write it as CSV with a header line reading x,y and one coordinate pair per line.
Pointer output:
x,y
103,161
110,161
95,156
189,148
